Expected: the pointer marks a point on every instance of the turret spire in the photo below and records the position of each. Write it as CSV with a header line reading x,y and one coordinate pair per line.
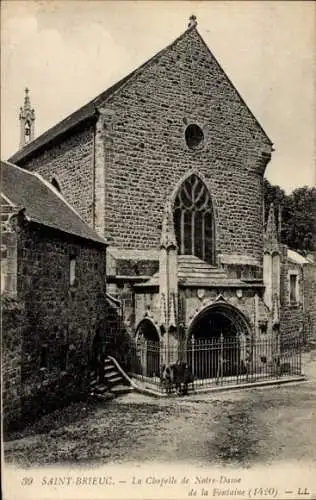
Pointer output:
x,y
27,121
271,233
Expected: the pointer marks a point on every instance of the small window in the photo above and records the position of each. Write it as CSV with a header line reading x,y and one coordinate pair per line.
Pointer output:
x,y
194,136
63,357
72,271
293,289
4,267
44,357
56,184
27,131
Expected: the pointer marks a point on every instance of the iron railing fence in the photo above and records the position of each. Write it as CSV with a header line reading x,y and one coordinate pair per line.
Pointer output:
x,y
217,361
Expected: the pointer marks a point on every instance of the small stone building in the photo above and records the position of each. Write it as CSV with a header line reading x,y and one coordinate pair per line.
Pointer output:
x,y
290,286
169,162
53,286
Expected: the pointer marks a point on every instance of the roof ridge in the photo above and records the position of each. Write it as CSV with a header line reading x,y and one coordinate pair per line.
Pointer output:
x,y
77,223
136,71
234,87
57,193
49,186
93,103
61,197
10,164
7,199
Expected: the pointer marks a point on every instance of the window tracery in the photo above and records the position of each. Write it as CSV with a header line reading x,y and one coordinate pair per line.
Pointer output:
x,y
193,220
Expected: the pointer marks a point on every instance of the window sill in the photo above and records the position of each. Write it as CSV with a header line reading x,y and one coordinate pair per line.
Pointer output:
x,y
294,305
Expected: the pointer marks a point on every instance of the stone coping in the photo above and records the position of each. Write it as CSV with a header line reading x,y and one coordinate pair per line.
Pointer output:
x,y
141,387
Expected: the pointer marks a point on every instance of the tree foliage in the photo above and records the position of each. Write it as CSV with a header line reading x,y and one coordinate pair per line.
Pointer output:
x,y
298,210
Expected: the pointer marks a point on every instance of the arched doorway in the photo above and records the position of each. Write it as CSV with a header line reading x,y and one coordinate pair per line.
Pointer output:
x,y
217,342
148,348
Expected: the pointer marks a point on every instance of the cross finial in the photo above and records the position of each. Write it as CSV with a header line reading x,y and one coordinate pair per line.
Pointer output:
x,y
26,98
192,21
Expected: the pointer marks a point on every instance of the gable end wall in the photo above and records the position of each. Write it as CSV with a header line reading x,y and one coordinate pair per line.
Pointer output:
x,y
149,156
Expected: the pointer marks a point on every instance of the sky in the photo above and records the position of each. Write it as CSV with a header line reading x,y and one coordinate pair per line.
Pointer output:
x,y
68,51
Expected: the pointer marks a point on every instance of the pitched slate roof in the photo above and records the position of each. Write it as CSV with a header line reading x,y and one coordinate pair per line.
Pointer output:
x,y
297,258
42,203
90,109
82,114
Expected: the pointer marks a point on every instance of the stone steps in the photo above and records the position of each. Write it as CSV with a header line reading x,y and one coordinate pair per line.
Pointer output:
x,y
111,385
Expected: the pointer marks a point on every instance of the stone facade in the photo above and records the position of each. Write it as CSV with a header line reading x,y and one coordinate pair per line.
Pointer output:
x,y
309,297
46,360
289,280
176,117
70,162
139,141
150,156
12,334
297,314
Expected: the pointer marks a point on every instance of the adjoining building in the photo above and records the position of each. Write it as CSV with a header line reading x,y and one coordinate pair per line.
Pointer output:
x,y
169,162
53,293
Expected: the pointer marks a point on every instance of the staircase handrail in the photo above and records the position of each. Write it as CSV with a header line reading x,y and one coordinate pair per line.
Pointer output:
x,y
120,369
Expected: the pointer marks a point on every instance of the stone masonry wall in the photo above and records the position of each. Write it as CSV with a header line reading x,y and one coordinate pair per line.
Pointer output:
x,y
62,318
12,332
70,161
292,316
309,271
147,121
142,147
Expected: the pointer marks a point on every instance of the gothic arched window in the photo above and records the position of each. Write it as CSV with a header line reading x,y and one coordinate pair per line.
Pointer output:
x,y
194,221
55,183
27,130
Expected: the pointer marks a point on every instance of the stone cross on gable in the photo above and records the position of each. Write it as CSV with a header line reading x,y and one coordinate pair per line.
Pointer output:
x,y
192,21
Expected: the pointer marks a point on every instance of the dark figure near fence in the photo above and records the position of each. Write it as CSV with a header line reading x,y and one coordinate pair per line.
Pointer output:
x,y
176,376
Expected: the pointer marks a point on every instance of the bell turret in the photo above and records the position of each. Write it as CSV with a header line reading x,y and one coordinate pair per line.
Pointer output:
x,y
27,121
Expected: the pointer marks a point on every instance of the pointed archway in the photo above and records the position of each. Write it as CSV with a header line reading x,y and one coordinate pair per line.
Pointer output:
x,y
148,347
217,341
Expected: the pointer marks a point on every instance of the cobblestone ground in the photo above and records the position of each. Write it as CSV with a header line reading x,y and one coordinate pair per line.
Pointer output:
x,y
244,427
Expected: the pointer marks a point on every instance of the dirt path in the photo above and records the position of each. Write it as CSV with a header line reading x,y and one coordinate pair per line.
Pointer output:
x,y
244,427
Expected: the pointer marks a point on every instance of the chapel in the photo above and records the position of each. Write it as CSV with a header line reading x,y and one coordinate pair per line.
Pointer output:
x,y
169,163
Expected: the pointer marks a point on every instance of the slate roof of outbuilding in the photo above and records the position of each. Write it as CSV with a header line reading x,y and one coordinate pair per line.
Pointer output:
x,y
42,203
90,109
297,258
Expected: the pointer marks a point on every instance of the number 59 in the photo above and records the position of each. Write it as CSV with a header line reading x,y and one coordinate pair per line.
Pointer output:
x,y
26,481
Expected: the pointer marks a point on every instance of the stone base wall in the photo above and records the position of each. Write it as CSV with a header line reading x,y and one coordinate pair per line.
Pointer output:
x,y
136,267
298,319
292,321
309,273
12,335
48,355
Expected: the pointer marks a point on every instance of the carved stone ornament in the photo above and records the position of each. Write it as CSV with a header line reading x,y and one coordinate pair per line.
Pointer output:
x,y
220,297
